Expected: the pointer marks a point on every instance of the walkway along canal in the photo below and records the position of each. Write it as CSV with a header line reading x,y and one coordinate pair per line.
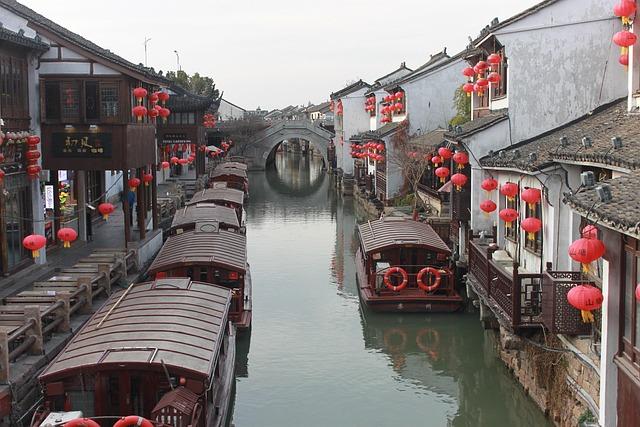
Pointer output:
x,y
316,357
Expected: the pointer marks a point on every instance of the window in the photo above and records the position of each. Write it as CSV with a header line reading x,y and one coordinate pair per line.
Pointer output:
x,y
109,100
536,244
630,327
70,101
74,101
52,100
501,89
91,101
13,87
511,230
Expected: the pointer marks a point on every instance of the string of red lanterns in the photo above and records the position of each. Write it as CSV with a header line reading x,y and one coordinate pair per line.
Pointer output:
x,y
485,73
626,11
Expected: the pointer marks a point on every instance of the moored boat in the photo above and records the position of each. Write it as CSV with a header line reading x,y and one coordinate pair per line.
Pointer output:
x,y
160,353
234,175
403,266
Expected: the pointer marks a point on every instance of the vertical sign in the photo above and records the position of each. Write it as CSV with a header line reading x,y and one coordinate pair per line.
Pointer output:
x,y
48,196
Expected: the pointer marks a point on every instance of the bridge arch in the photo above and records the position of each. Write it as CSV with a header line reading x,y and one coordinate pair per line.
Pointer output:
x,y
260,149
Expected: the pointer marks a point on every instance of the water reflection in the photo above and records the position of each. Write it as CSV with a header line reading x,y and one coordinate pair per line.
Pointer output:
x,y
317,358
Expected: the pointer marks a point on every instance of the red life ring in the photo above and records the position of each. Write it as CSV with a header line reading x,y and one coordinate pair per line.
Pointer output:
x,y
387,279
81,422
133,420
432,286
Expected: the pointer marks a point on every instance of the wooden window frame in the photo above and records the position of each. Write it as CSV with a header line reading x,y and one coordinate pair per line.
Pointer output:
x,y
14,84
629,350
82,116
501,90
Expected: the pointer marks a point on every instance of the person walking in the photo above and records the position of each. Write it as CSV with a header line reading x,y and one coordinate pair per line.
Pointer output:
x,y
131,199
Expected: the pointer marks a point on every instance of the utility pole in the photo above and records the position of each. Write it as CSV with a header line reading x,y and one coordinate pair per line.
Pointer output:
x,y
146,40
178,59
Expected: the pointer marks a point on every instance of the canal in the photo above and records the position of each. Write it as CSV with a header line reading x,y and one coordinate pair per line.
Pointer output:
x,y
317,358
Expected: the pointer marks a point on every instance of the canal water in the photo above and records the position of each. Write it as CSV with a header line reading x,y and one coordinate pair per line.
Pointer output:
x,y
316,357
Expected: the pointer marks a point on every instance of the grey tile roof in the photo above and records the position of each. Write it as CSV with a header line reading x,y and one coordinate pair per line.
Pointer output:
x,y
430,139
38,20
621,213
350,89
599,125
477,125
381,132
22,40
184,101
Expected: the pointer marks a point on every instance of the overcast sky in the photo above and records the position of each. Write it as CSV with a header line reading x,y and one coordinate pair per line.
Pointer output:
x,y
272,53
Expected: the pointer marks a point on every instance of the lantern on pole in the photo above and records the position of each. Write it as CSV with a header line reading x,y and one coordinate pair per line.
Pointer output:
x,y
34,242
67,235
585,298
105,210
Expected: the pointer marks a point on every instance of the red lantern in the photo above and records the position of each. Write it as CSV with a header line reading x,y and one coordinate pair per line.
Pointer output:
x,y
625,9
183,161
585,251
67,235
139,111
638,292
445,153
479,89
32,141
531,225
134,183
436,160
624,38
175,160
153,113
468,88
509,189
163,96
468,72
380,147
399,95
624,59
585,298
139,93
398,107
2,173
147,178
459,180
461,158
480,67
381,158
164,113
489,184
494,59
493,78
32,155
508,215
488,206
531,196
590,232
34,242
105,210
442,172
482,82
33,171
153,98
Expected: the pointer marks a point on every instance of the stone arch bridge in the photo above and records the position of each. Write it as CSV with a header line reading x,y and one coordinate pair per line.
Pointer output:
x,y
260,150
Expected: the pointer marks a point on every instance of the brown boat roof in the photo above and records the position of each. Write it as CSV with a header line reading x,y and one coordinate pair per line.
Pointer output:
x,y
213,194
395,231
242,173
220,247
175,322
200,212
236,165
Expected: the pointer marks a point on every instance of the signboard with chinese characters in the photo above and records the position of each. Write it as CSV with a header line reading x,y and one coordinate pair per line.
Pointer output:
x,y
79,144
48,196
175,138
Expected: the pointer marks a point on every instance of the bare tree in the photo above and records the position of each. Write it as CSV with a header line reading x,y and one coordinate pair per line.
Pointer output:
x,y
242,131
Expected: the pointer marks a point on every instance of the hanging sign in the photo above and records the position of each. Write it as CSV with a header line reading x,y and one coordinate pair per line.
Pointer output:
x,y
48,196
79,144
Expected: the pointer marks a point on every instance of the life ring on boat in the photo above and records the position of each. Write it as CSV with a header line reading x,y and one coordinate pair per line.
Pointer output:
x,y
81,422
394,348
432,286
434,339
387,279
133,420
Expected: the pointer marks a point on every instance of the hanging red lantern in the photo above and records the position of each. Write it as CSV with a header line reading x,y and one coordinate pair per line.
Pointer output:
x,y
482,82
508,215
32,155
585,251
380,147
494,60
442,172
164,113
183,161
105,210
165,165
134,183
493,78
585,298
153,98
398,107
531,196
531,225
399,95
638,292
624,39
489,184
139,111
34,242
461,159
163,96
459,180
590,232
445,153
33,171
488,206
33,141
480,67
624,59
147,178
139,93
467,88
175,160
469,73
67,235
625,10
436,160
509,189
153,113
479,89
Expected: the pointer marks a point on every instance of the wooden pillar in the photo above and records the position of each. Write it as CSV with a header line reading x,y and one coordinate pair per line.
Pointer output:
x,y
141,207
57,212
4,258
81,188
125,207
154,202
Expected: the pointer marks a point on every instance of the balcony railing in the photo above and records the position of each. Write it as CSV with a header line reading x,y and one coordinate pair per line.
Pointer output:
x,y
525,300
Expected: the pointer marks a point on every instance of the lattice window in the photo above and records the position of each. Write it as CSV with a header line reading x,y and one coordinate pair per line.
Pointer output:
x,y
109,100
630,318
70,100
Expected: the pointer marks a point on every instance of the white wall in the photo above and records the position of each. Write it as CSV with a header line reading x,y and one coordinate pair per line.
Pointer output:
x,y
353,121
228,111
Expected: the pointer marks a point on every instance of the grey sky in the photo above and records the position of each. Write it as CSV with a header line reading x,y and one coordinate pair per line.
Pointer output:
x,y
280,52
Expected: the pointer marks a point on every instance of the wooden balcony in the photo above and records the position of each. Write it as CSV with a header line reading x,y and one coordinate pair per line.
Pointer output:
x,y
522,300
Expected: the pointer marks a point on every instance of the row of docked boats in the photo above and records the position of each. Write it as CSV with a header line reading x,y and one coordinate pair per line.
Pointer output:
x,y
162,353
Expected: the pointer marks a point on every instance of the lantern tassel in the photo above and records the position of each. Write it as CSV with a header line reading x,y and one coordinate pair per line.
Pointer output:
x,y
35,253
66,244
587,316
531,236
586,268
106,217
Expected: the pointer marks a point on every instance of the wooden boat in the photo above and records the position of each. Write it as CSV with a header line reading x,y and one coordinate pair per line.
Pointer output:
x,y
235,177
162,350
211,255
403,266
228,197
205,215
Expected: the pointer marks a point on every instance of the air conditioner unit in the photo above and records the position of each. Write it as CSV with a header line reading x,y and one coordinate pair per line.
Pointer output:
x,y
587,179
604,193
586,142
616,142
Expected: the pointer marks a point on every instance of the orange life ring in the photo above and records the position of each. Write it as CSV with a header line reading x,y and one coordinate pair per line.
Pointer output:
x,y
81,422
387,279
133,420
387,340
435,342
432,286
